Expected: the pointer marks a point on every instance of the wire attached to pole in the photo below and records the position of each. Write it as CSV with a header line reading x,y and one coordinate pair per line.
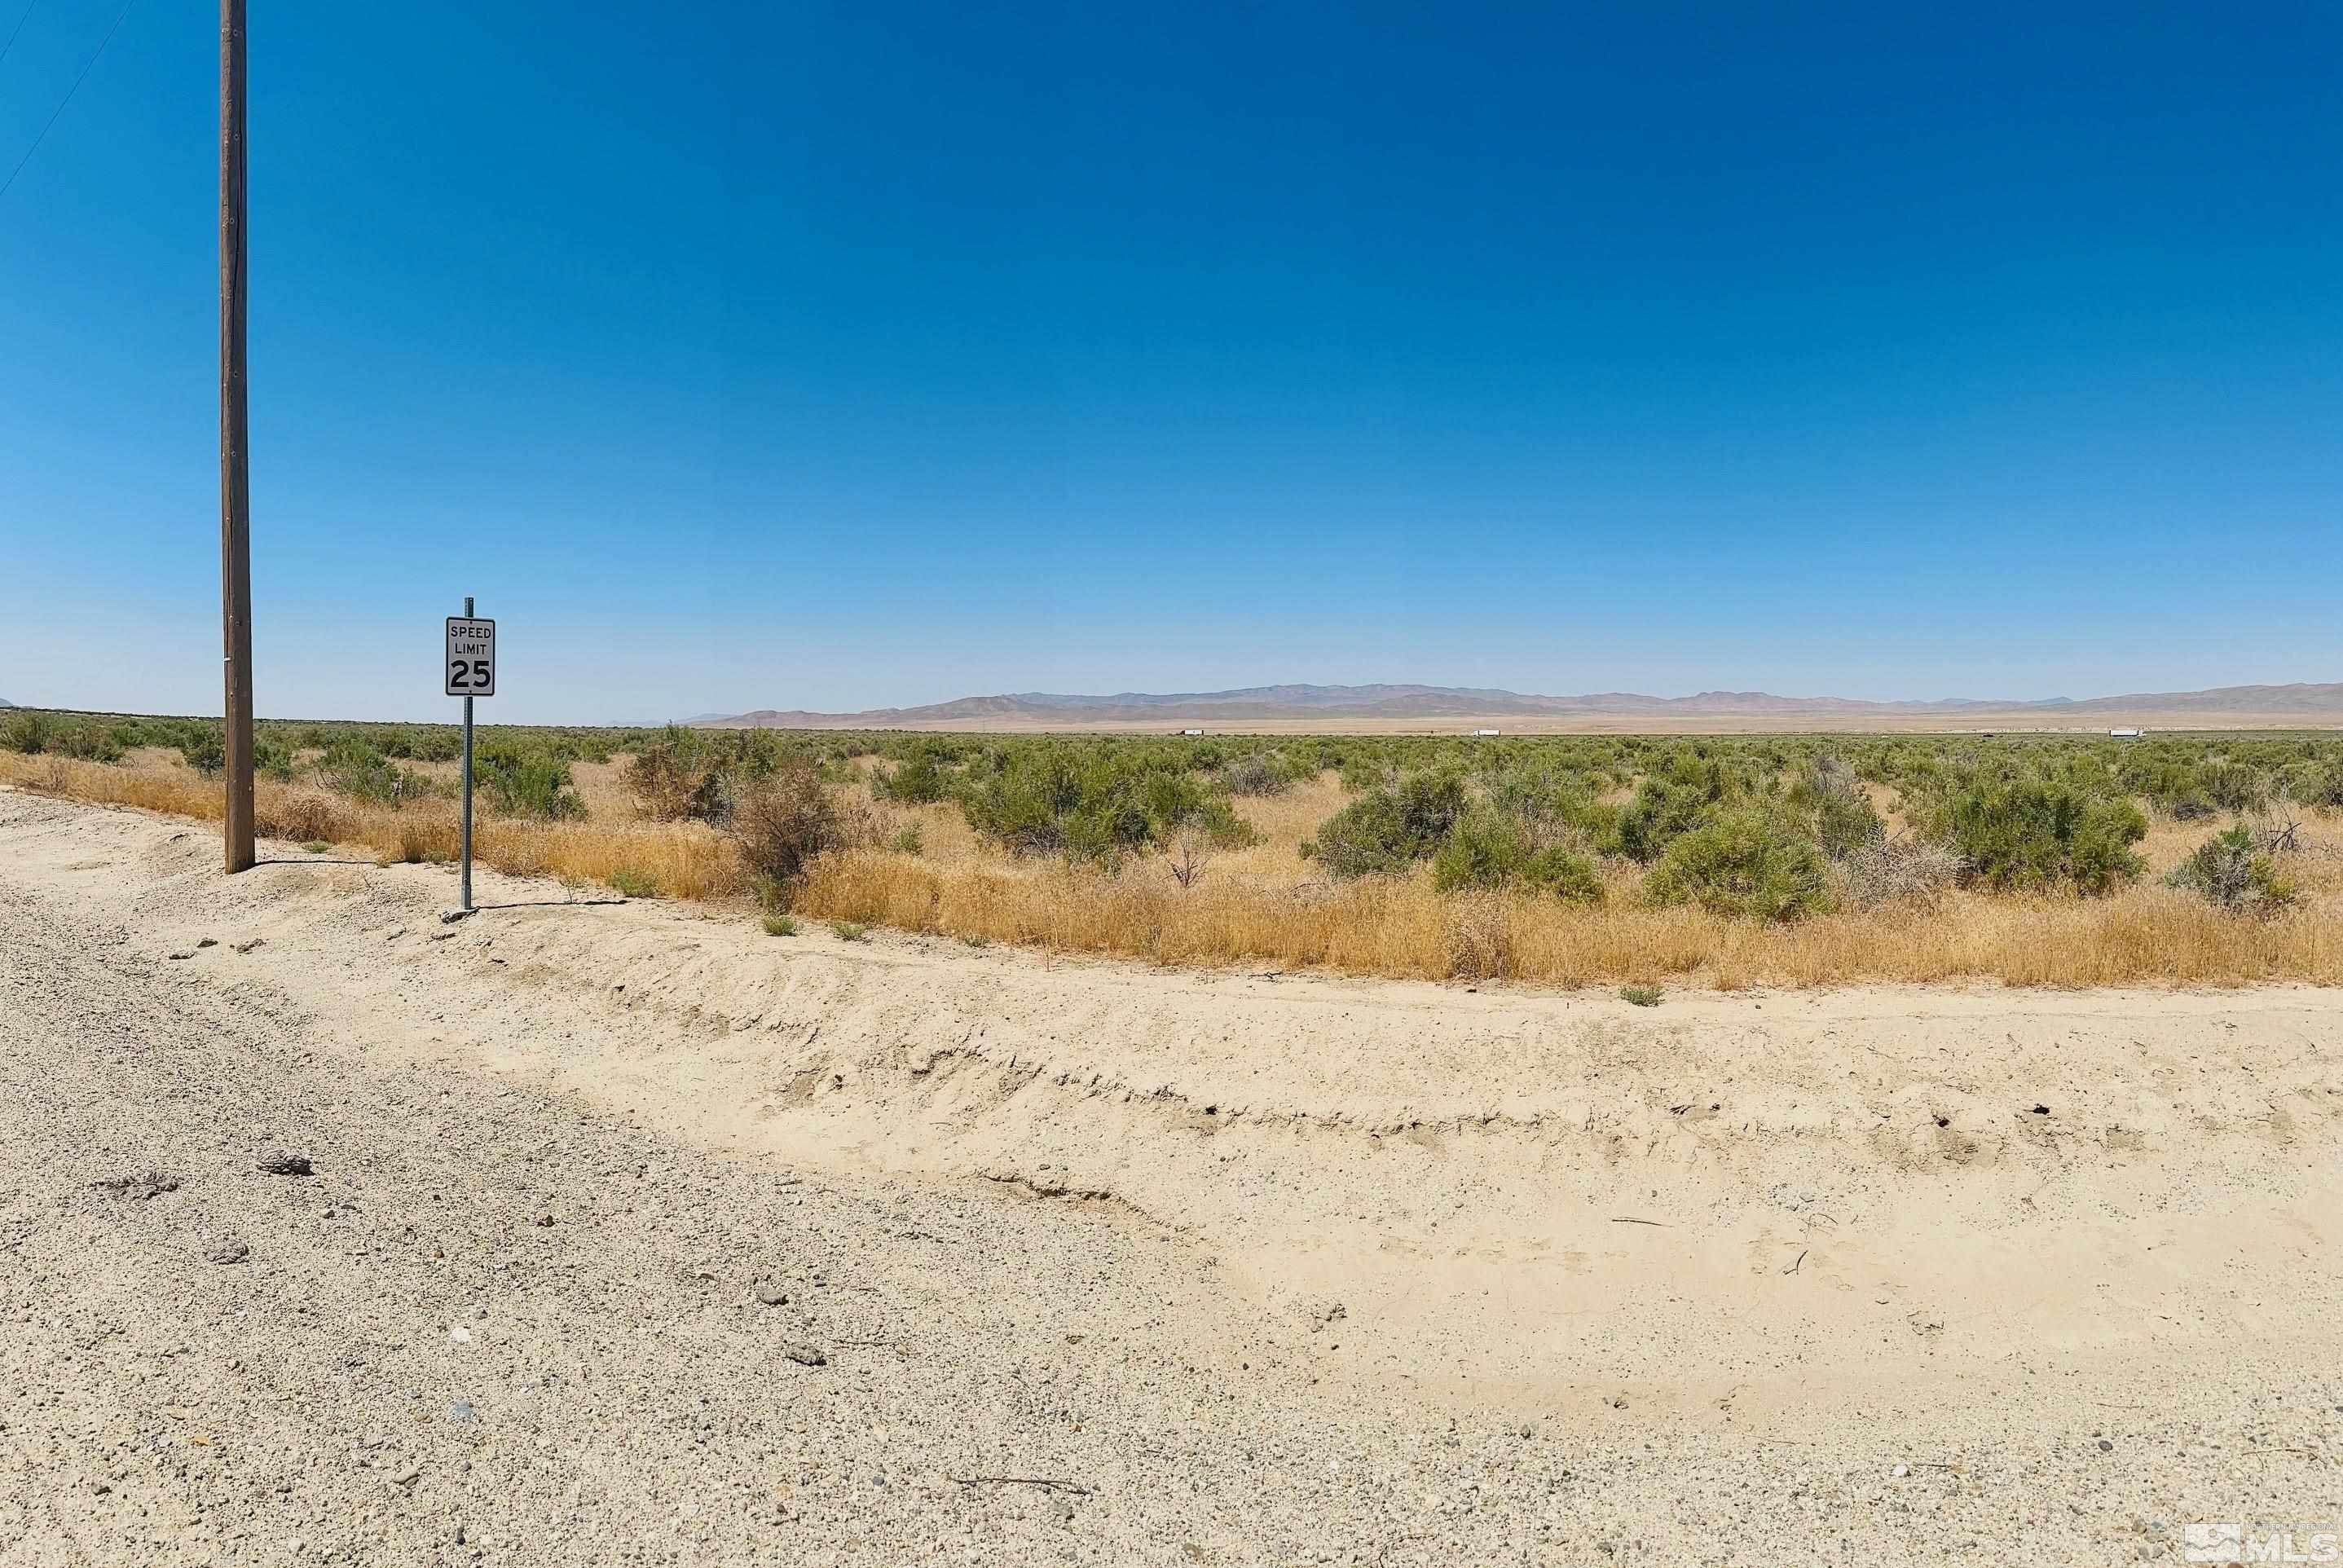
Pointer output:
x,y
68,98
11,44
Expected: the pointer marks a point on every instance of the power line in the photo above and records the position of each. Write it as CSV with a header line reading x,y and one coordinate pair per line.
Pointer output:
x,y
68,98
20,27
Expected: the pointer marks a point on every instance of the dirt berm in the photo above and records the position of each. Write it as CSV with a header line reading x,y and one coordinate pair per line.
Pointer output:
x,y
1244,1268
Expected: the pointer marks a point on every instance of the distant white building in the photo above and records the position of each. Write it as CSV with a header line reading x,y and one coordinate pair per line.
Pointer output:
x,y
1484,733
1192,732
2124,734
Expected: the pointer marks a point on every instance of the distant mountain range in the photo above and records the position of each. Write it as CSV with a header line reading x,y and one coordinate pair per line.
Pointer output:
x,y
1333,707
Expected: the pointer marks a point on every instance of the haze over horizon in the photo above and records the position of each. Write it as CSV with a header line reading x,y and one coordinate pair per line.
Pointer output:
x,y
1331,709
844,358
2316,704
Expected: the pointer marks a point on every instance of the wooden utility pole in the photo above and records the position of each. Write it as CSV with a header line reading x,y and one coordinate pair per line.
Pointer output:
x,y
235,496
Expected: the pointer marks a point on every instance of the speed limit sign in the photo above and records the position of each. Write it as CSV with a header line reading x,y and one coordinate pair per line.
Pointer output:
x,y
471,657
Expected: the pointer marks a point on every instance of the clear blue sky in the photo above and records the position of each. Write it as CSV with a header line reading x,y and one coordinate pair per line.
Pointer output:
x,y
832,355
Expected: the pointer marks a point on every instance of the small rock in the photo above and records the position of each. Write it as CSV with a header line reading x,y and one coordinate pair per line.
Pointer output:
x,y
2106,1447
2041,1111
396,933
1903,1470
805,1355
772,1295
245,946
462,1411
229,1253
544,1221
206,941
188,953
154,1183
283,1162
407,1477
460,1334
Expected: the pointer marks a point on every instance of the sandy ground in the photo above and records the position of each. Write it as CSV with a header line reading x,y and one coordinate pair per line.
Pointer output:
x,y
1244,1268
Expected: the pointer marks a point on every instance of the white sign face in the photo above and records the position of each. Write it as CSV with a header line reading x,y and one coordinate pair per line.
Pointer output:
x,y
471,657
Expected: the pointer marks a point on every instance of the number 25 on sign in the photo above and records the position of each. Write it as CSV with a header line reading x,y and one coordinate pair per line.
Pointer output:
x,y
471,657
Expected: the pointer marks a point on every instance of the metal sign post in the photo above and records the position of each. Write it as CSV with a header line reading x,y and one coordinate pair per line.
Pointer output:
x,y
464,874
471,666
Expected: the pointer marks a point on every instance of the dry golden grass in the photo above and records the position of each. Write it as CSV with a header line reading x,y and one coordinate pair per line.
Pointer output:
x,y
1404,927
603,786
1265,905
685,861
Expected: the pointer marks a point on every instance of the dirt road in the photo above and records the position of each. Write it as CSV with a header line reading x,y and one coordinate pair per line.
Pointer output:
x,y
632,1236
